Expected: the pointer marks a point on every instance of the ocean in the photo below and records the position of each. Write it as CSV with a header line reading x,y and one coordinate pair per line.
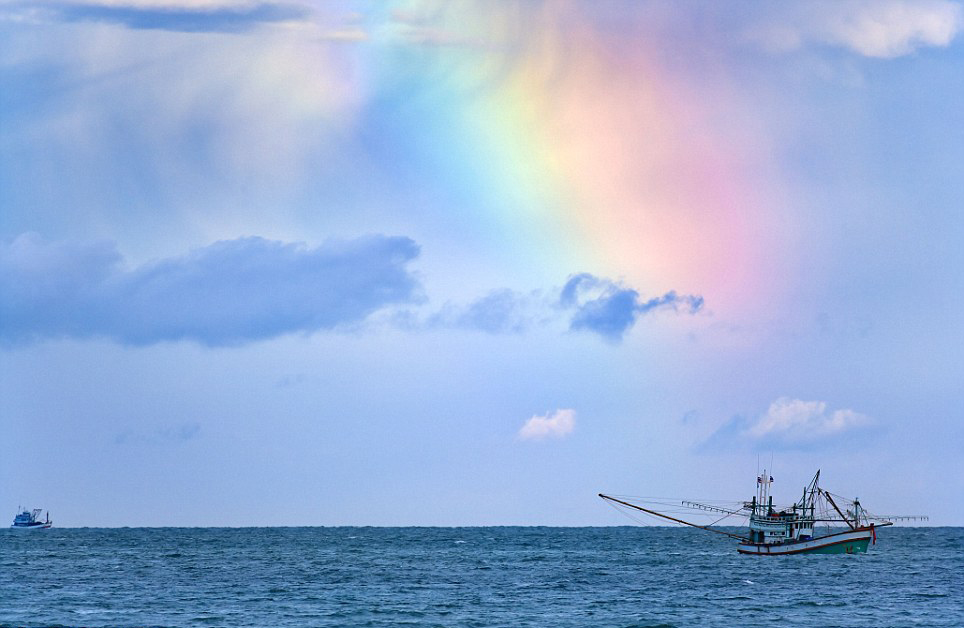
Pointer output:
x,y
487,576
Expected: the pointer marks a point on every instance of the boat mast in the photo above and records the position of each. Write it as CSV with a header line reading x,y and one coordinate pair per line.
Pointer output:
x,y
659,514
810,497
764,499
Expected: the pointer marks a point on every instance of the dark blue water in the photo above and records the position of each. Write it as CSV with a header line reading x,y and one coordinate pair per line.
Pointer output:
x,y
632,576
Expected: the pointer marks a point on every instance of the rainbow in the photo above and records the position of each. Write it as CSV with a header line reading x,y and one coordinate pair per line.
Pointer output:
x,y
585,150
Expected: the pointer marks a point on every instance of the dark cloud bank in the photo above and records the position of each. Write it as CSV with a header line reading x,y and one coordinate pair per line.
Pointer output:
x,y
227,293
226,19
238,291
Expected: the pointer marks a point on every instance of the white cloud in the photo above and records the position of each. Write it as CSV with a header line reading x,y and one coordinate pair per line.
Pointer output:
x,y
892,29
882,29
556,425
791,424
795,421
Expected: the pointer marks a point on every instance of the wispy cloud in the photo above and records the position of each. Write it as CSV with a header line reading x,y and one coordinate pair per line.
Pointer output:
x,y
169,434
609,309
499,312
872,28
790,424
585,303
551,425
429,28
181,16
228,293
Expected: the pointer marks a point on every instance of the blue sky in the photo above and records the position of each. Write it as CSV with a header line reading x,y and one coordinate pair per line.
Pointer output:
x,y
415,263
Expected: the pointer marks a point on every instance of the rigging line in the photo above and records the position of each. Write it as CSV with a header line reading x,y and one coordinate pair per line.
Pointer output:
x,y
653,512
630,515
722,518
839,512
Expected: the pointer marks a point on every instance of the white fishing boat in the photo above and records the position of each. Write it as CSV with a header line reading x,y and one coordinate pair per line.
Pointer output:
x,y
816,524
30,520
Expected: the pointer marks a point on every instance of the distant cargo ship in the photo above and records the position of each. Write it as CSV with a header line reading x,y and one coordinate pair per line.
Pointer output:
x,y
789,530
30,520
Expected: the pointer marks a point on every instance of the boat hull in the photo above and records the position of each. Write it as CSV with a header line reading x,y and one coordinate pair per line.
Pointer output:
x,y
849,542
34,526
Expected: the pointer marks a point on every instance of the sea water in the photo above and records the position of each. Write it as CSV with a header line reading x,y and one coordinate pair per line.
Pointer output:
x,y
489,576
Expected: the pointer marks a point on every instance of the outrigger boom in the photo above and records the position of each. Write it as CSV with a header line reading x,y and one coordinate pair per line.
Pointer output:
x,y
659,514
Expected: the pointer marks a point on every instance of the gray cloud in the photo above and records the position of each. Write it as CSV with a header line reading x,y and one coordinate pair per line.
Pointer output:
x,y
168,434
609,309
585,303
227,293
500,311
225,18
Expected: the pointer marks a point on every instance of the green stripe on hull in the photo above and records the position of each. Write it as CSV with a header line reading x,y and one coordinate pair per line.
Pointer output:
x,y
858,546
844,546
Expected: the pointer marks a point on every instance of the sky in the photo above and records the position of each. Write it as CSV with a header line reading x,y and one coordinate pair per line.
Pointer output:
x,y
472,263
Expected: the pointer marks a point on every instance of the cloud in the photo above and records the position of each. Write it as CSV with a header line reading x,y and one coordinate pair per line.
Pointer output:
x,y
791,424
428,28
585,303
881,29
690,417
553,425
180,433
228,293
609,309
499,312
182,17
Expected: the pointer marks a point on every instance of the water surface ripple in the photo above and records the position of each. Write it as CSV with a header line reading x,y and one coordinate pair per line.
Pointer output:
x,y
621,577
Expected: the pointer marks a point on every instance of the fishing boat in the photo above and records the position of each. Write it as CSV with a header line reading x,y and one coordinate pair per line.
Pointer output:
x,y
819,523
30,520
